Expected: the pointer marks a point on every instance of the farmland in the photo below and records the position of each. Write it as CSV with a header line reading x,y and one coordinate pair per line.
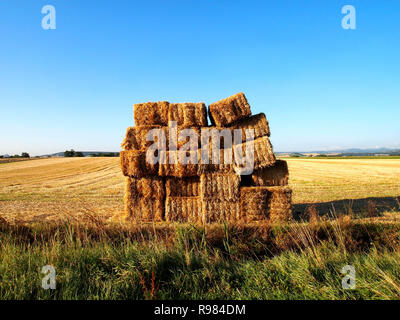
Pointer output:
x,y
56,211
51,189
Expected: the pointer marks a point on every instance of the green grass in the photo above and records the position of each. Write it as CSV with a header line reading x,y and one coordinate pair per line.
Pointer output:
x,y
296,261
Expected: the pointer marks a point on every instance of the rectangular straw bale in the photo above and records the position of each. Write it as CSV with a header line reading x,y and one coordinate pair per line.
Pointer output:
x,y
182,187
144,209
218,137
133,163
136,137
254,204
183,209
280,204
266,203
188,135
213,211
151,113
222,163
220,187
180,168
275,175
188,114
152,187
258,123
226,111
263,153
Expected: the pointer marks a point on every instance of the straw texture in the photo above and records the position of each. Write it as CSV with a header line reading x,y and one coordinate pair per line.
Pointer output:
x,y
133,163
263,153
258,123
151,187
136,137
229,110
280,204
182,187
151,113
181,167
144,209
266,203
183,209
220,187
275,175
213,211
188,114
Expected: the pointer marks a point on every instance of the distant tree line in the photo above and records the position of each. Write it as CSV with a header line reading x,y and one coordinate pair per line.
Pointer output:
x,y
72,153
105,154
23,155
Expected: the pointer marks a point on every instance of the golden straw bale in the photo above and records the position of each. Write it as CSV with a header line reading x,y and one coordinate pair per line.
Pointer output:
x,y
258,123
182,187
263,154
188,114
183,209
266,203
188,138
179,163
217,137
213,211
275,175
226,111
144,209
280,204
254,203
220,186
151,113
136,137
133,163
218,161
151,187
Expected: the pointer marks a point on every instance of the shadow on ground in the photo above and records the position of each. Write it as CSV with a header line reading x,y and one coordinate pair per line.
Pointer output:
x,y
359,207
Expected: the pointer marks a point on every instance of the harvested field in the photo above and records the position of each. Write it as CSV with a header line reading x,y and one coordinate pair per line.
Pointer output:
x,y
55,188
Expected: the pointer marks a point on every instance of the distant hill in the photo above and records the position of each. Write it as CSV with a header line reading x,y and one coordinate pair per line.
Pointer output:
x,y
346,152
85,153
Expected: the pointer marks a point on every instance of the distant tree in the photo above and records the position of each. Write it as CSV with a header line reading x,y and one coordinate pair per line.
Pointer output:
x,y
78,154
105,154
70,153
296,155
25,155
1,157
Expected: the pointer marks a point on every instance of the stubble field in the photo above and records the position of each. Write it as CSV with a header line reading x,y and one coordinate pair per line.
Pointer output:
x,y
56,212
55,188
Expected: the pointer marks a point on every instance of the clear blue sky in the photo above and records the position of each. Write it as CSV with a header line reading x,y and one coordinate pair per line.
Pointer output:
x,y
320,86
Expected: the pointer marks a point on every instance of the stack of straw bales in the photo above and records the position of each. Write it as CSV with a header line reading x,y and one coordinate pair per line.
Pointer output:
x,y
199,191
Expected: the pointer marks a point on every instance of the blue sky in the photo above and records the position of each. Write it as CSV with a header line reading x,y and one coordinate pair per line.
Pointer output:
x,y
320,86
